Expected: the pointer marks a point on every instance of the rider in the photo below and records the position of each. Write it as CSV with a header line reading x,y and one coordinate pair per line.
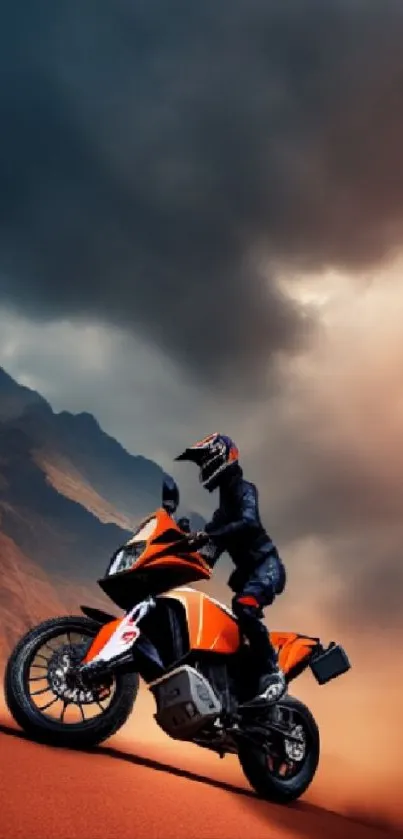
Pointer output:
x,y
259,573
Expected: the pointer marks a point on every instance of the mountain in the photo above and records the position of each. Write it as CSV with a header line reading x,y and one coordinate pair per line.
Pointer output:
x,y
59,534
79,457
28,595
82,461
69,496
15,398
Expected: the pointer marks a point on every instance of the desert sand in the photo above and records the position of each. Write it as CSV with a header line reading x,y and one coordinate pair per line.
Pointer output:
x,y
146,789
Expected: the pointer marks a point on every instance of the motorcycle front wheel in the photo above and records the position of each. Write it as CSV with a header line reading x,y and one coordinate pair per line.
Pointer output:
x,y
282,772
48,707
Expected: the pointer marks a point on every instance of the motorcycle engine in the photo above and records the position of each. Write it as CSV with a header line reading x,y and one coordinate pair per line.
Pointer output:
x,y
223,685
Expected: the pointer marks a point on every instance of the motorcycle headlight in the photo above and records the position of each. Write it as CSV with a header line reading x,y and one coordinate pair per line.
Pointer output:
x,y
128,555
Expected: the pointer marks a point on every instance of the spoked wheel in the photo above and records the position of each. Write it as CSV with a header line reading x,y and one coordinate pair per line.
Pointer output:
x,y
46,698
283,767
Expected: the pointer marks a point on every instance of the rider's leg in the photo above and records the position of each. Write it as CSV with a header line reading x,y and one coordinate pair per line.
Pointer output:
x,y
267,580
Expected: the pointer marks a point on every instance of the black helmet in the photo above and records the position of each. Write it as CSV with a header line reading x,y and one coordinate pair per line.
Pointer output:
x,y
214,455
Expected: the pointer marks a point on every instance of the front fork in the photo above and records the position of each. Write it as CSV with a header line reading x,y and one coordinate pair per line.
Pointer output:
x,y
113,646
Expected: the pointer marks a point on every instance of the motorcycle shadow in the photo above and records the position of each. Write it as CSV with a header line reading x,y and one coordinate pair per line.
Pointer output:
x,y
312,821
137,760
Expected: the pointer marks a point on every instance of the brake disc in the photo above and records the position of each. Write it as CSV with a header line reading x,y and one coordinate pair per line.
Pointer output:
x,y
65,682
296,749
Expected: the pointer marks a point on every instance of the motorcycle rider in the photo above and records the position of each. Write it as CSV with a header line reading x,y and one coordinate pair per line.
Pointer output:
x,y
235,527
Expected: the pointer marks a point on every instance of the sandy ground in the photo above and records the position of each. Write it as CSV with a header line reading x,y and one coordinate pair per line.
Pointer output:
x,y
151,790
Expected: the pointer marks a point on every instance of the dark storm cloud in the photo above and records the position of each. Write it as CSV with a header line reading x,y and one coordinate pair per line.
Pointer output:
x,y
153,155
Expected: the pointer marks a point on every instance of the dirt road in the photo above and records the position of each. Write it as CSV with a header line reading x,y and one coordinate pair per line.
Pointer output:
x,y
56,794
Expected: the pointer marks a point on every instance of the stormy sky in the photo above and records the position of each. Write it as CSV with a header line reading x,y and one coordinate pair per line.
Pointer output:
x,y
201,213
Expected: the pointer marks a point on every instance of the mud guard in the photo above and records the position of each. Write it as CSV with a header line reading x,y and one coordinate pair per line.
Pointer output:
x,y
294,651
297,652
97,615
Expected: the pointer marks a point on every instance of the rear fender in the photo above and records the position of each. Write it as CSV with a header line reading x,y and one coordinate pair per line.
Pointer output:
x,y
294,652
297,652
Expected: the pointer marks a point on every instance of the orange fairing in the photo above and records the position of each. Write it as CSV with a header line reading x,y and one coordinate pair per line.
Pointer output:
x,y
150,556
211,627
104,634
292,649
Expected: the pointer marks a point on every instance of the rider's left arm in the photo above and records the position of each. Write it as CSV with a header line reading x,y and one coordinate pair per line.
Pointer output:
x,y
248,519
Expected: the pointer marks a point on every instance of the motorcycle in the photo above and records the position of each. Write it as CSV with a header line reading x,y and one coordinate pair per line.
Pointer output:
x,y
72,681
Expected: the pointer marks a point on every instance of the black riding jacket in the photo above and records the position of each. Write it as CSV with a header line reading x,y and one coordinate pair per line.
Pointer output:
x,y
236,527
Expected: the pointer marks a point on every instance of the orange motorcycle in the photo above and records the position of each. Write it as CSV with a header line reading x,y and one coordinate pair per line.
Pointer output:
x,y
73,681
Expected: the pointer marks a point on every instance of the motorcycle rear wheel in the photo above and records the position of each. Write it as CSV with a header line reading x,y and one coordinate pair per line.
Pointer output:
x,y
263,771
27,659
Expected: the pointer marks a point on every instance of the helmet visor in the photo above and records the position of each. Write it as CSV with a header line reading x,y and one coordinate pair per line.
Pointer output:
x,y
210,467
